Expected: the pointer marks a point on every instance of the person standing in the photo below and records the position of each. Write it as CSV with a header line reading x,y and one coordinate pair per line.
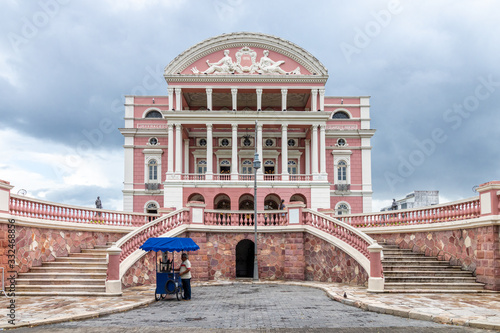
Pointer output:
x,y
185,273
98,205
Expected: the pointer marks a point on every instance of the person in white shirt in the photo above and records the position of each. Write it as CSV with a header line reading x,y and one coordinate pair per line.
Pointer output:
x,y
185,273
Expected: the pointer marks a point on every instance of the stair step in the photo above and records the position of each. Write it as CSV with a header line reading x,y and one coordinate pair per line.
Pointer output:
x,y
429,279
94,251
58,282
73,264
66,293
411,267
427,273
433,285
81,259
68,275
57,288
405,258
87,255
102,246
53,270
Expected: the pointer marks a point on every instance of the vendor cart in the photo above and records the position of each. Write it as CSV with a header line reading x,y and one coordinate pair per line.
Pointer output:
x,y
168,282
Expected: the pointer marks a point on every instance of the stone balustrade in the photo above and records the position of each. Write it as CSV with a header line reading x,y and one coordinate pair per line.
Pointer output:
x,y
245,218
457,210
34,208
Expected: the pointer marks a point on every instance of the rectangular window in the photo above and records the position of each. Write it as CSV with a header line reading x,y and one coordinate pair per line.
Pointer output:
x,y
153,172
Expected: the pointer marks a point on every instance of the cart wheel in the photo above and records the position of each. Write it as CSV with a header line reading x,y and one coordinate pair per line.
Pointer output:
x,y
157,297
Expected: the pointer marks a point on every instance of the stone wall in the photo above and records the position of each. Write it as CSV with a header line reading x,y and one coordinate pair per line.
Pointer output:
x,y
326,263
282,256
37,245
475,249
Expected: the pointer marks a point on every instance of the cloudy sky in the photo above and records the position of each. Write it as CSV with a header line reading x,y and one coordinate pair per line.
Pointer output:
x,y
431,67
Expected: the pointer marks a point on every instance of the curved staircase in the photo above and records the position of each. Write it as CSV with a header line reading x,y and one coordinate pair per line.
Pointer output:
x,y
410,272
79,274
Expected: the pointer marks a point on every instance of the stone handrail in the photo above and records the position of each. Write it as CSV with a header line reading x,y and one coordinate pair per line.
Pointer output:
x,y
457,210
35,208
245,218
341,230
132,241
245,177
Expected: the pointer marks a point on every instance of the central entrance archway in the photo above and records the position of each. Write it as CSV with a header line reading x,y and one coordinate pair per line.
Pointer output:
x,y
244,258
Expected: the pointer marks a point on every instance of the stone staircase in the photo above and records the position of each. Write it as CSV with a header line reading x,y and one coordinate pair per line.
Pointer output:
x,y
79,274
408,272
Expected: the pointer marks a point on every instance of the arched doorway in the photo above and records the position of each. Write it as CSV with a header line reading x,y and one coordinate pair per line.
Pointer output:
x,y
246,205
196,197
222,202
298,197
245,251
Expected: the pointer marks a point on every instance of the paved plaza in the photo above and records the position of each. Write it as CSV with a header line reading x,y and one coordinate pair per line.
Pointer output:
x,y
269,307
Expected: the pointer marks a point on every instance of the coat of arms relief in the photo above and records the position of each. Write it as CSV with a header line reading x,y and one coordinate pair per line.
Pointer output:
x,y
246,63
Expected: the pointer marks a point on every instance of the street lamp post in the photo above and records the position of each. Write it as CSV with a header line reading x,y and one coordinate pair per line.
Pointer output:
x,y
256,166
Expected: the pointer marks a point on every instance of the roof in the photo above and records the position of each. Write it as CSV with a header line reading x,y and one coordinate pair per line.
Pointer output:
x,y
170,244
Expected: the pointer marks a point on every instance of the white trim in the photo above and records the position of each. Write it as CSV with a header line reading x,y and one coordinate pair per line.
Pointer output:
x,y
342,203
344,110
152,109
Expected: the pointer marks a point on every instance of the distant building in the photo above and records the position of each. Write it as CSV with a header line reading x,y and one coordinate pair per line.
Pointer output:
x,y
416,199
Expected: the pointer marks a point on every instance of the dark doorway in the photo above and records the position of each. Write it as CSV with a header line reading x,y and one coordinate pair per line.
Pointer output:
x,y
244,258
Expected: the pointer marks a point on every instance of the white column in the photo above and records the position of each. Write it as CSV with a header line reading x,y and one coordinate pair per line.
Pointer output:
x,y
234,151
322,99
170,165
322,151
209,99
283,98
210,153
308,157
234,93
259,151
178,99
170,98
314,99
259,98
186,155
284,152
314,148
178,149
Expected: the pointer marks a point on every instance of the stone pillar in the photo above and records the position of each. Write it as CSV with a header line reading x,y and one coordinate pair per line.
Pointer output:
x,y
210,153
178,99
170,164
314,148
234,153
314,99
186,156
113,282
295,263
199,259
259,98
308,156
196,212
322,99
489,197
283,98
376,279
322,151
259,151
234,94
295,212
5,188
178,149
209,99
284,152
171,98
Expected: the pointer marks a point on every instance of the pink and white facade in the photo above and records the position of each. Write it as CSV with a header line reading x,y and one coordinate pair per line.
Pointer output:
x,y
229,96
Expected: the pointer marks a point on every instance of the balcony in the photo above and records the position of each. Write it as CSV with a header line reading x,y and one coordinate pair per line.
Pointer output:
x,y
152,186
242,177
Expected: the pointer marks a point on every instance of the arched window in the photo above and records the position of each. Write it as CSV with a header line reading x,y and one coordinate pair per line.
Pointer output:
x,y
154,114
342,208
202,167
292,167
153,170
342,171
225,167
340,115
246,167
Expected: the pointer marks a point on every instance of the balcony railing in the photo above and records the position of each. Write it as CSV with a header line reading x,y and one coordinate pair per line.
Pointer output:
x,y
245,218
245,177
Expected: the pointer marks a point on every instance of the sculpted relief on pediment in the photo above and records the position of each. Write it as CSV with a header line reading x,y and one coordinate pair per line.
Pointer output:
x,y
246,63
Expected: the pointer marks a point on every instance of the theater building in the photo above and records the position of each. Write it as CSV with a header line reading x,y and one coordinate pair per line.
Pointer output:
x,y
229,97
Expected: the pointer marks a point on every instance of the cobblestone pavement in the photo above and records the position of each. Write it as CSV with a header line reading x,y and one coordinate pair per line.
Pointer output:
x,y
248,308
